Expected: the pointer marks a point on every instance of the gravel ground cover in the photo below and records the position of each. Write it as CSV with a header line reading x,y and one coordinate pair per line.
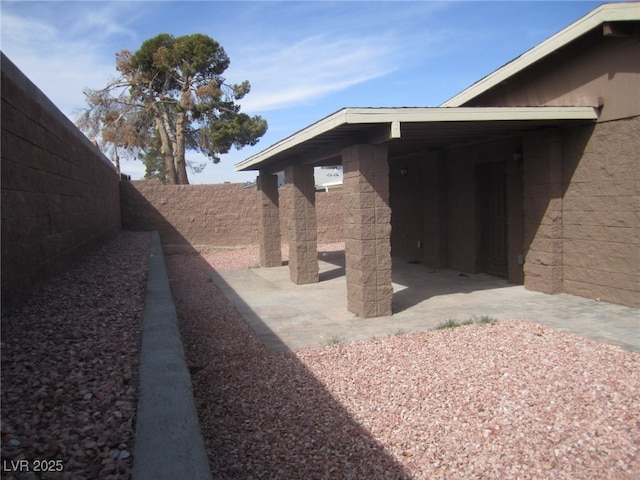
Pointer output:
x,y
69,369
509,400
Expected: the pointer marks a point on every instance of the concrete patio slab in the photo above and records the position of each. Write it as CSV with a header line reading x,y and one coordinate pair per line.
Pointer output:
x,y
286,316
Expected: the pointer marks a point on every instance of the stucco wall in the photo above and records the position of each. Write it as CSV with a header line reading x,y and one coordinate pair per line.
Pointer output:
x,y
59,193
221,215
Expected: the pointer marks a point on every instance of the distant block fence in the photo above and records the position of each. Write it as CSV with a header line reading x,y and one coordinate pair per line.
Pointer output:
x,y
60,195
221,215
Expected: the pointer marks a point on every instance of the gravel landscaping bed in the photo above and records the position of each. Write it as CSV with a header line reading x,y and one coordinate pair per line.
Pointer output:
x,y
69,369
509,400
505,401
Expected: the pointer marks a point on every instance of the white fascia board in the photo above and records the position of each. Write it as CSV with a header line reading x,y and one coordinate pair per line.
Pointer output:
x,y
468,114
613,12
373,116
313,130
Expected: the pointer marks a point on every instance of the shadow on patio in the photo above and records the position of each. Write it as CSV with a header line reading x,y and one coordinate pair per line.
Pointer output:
x,y
286,316
414,283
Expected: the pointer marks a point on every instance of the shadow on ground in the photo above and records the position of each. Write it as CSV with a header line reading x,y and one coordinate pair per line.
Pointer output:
x,y
263,414
414,282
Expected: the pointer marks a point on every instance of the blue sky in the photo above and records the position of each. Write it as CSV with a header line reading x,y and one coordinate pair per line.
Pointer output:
x,y
304,59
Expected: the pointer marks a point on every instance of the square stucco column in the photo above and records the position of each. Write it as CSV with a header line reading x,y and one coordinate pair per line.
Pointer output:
x,y
303,228
269,220
367,230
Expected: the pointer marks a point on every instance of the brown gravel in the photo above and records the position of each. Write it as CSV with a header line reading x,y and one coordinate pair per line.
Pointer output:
x,y
69,368
511,400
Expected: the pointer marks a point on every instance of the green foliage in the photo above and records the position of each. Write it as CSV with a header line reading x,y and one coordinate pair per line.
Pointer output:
x,y
153,161
335,340
486,319
237,130
450,323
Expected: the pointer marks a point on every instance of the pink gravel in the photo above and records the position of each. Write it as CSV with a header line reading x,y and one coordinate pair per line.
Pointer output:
x,y
510,400
69,368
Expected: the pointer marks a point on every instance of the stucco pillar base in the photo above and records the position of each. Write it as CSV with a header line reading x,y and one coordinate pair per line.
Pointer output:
x,y
303,229
367,230
269,221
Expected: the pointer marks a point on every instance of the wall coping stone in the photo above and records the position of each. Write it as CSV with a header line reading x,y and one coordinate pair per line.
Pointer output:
x,y
168,440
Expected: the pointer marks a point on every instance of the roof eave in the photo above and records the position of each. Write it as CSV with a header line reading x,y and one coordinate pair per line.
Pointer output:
x,y
377,116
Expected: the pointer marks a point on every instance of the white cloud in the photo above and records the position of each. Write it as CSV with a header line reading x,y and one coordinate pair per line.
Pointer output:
x,y
293,55
282,76
62,50
106,21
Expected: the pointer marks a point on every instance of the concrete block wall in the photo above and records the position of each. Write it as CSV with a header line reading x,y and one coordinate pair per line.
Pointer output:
x,y
367,230
542,208
303,224
59,193
407,192
220,215
329,215
192,215
582,211
269,232
601,212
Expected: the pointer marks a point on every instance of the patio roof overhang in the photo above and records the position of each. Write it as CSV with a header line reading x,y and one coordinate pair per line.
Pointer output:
x,y
409,131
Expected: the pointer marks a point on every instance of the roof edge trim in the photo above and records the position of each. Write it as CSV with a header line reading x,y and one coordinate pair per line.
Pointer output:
x,y
376,116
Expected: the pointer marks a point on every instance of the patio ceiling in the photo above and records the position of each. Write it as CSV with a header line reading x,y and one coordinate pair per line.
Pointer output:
x,y
408,131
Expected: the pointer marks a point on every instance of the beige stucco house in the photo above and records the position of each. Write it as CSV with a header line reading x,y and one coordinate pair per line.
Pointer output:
x,y
531,174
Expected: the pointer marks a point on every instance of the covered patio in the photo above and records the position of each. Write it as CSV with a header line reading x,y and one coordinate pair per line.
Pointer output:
x,y
291,317
444,146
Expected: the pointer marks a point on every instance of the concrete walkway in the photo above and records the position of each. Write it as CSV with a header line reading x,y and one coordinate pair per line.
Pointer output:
x,y
286,316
